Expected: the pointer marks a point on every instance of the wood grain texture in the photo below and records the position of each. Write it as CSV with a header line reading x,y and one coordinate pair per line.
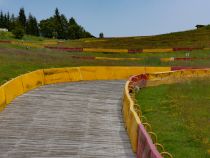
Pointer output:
x,y
74,120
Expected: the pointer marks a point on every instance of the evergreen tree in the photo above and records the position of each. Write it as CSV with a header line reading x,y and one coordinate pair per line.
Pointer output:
x,y
72,21
7,20
12,22
32,26
59,24
1,19
76,31
47,28
36,27
64,24
22,18
56,26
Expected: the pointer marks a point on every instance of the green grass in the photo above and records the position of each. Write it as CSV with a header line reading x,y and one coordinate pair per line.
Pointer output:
x,y
193,38
6,35
180,116
198,38
10,36
16,60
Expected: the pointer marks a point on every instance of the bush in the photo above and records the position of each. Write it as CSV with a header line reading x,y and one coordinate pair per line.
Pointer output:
x,y
18,32
101,35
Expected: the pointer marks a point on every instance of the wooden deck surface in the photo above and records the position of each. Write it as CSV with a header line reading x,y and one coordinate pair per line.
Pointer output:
x,y
70,120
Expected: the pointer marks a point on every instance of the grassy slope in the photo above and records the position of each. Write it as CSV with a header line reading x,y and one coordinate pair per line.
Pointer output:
x,y
15,60
192,38
179,115
10,36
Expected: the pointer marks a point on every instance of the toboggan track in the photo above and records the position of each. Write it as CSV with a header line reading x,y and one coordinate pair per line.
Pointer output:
x,y
83,119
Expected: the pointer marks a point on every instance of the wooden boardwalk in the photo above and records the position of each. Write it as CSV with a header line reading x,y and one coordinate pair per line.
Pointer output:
x,y
70,120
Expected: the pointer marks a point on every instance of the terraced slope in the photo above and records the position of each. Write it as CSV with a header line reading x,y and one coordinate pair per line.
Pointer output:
x,y
75,120
193,38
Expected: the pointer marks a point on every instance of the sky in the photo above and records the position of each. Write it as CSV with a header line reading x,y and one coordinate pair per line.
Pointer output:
x,y
118,18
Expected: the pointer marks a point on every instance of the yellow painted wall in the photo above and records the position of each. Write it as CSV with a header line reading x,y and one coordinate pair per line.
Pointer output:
x,y
118,59
157,50
74,74
105,50
2,99
131,118
56,75
157,69
32,80
109,73
13,88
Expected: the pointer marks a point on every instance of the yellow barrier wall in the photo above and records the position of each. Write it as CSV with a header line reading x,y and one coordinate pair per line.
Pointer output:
x,y
13,89
133,132
2,99
27,44
157,69
109,73
32,80
131,118
95,73
49,43
118,59
157,50
105,50
166,59
74,74
56,75
126,72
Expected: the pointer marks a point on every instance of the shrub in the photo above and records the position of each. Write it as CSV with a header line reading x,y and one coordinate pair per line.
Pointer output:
x,y
18,32
101,35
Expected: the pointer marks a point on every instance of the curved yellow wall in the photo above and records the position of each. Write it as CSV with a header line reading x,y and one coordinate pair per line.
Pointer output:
x,y
21,84
130,116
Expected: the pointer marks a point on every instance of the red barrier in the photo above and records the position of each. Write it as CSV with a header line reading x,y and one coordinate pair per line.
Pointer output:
x,y
134,51
138,81
191,58
186,49
175,68
65,49
146,149
184,58
3,41
137,78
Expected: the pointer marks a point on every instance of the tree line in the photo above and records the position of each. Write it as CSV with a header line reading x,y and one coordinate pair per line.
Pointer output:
x,y
56,26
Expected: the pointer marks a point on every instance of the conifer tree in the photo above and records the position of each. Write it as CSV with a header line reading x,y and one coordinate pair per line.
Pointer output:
x,y
22,18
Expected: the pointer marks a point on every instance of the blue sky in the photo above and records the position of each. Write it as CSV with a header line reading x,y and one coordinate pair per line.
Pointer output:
x,y
121,17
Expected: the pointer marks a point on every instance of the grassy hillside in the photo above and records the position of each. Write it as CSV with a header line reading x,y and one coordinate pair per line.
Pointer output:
x,y
16,59
10,36
181,122
193,38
